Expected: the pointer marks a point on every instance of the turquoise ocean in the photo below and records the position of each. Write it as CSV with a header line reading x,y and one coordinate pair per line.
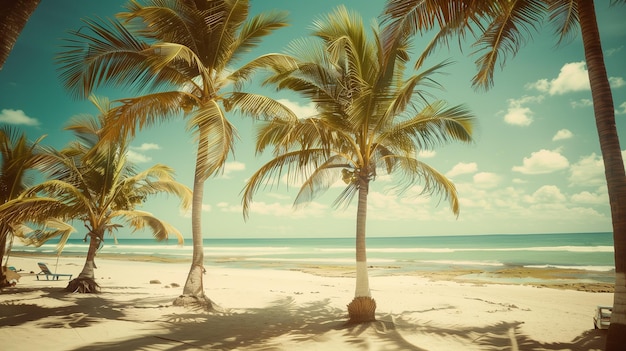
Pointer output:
x,y
591,252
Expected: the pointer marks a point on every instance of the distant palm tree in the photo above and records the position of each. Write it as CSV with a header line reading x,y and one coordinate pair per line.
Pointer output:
x,y
371,118
500,27
14,15
19,158
183,50
99,188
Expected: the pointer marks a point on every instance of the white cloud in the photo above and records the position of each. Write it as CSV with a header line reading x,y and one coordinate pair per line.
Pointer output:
x,y
547,194
302,111
147,147
542,162
462,168
572,77
520,115
426,154
588,171
586,197
581,103
621,110
617,82
612,51
233,166
17,117
486,180
562,135
136,157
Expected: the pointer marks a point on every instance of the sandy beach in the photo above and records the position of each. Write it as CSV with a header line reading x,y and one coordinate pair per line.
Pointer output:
x,y
281,309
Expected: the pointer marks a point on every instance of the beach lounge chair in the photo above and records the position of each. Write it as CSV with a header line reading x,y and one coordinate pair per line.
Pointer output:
x,y
45,271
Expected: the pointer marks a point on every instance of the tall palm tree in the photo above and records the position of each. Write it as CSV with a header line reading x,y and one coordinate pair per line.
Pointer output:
x,y
14,15
19,158
100,188
179,55
372,117
500,27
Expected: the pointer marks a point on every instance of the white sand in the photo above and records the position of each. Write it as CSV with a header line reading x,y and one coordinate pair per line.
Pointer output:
x,y
286,310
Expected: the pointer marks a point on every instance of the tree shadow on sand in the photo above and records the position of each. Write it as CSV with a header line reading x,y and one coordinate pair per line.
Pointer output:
x,y
500,336
69,311
268,328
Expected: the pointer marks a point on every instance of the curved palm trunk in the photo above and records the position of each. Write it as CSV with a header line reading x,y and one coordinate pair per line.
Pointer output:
x,y
363,307
3,249
13,17
193,292
613,164
85,282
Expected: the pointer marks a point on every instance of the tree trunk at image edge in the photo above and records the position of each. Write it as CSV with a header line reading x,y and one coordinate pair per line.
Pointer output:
x,y
86,283
3,249
363,308
613,165
14,15
193,292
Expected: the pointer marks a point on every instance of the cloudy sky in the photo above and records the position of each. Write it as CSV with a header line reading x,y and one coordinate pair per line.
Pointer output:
x,y
535,166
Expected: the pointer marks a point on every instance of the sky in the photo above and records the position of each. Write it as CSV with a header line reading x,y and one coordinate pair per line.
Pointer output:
x,y
535,165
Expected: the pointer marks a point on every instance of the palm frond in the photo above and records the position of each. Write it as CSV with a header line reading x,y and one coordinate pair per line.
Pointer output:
x,y
52,228
35,210
254,29
158,179
322,178
432,126
275,62
258,106
215,134
18,156
223,35
167,21
564,17
145,111
164,55
412,171
139,220
289,163
110,55
504,37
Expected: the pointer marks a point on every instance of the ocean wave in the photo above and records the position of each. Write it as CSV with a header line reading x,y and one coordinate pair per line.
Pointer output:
x,y
584,268
319,260
463,263
452,250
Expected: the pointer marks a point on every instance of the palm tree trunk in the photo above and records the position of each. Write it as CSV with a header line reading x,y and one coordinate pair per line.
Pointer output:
x,y
363,307
613,164
193,292
14,15
85,282
362,279
3,247
90,263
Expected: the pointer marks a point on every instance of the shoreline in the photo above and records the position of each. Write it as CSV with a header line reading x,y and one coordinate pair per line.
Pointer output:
x,y
282,309
542,277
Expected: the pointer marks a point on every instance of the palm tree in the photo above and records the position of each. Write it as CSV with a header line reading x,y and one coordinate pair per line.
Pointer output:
x,y
13,17
19,157
100,188
500,27
185,51
371,118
